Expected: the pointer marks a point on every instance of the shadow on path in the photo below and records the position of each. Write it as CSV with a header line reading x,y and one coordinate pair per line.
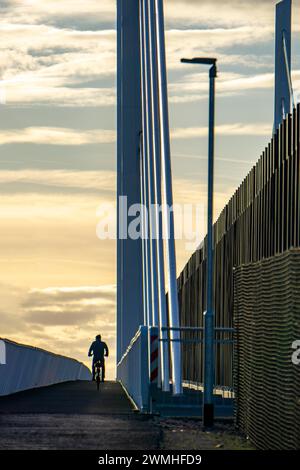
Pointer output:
x,y
69,398
74,416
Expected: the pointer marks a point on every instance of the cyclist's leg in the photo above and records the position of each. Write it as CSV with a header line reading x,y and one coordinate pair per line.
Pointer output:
x,y
103,370
93,369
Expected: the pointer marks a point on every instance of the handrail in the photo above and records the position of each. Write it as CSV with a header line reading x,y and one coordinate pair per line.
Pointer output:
x,y
134,339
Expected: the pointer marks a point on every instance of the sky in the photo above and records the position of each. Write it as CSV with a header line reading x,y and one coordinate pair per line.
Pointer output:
x,y
58,147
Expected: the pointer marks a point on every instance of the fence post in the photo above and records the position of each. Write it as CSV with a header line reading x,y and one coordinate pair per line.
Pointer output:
x,y
153,357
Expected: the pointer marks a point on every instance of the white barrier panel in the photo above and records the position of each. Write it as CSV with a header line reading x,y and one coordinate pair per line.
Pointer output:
x,y
133,371
24,367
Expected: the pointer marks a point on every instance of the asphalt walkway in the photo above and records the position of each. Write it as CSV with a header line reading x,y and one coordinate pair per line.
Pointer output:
x,y
74,415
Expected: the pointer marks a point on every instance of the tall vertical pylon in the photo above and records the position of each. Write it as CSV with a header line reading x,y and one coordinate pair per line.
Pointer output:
x,y
129,124
145,177
283,81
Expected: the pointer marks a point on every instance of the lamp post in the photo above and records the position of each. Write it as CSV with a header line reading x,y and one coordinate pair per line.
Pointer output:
x,y
209,317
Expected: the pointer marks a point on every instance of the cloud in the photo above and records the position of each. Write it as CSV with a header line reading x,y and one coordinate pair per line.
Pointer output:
x,y
62,295
60,319
54,11
22,206
66,136
56,136
99,181
35,52
43,62
212,39
63,317
59,96
219,12
77,312
63,53
181,12
48,238
45,59
237,129
228,84
194,86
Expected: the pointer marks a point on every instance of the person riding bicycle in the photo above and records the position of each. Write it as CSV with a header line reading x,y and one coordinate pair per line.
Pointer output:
x,y
98,350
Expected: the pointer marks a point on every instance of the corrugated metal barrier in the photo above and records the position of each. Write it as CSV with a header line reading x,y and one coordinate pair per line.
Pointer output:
x,y
260,221
24,367
267,322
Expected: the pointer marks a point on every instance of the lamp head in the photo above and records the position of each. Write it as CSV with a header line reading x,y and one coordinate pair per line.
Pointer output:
x,y
200,60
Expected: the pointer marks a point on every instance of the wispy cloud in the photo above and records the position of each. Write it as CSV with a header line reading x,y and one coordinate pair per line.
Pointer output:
x,y
56,11
18,93
65,136
228,84
43,62
181,12
237,129
224,13
51,50
59,207
70,305
56,136
60,319
98,181
63,53
192,87
62,295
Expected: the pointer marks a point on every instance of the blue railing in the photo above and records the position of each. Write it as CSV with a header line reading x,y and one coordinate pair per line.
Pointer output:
x,y
139,371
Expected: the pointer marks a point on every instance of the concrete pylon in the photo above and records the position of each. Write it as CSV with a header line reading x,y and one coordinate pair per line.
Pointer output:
x,y
129,125
283,84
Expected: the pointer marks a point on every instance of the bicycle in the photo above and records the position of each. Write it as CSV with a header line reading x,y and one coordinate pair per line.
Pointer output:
x,y
98,373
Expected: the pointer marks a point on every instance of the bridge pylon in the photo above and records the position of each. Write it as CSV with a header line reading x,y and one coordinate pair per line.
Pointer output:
x,y
144,190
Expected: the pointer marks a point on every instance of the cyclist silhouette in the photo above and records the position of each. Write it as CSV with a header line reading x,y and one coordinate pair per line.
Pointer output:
x,y
98,350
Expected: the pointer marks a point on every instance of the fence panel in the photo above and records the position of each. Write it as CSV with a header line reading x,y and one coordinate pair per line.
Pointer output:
x,y
267,323
25,367
133,371
260,220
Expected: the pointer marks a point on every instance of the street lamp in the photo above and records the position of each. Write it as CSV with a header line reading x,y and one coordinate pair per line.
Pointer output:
x,y
209,318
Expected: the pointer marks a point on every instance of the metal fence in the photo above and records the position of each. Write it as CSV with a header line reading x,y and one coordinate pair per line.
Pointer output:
x,y
260,221
24,367
133,370
190,402
140,375
191,343
267,380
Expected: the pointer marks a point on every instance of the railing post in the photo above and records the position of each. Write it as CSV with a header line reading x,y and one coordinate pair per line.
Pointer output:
x,y
153,356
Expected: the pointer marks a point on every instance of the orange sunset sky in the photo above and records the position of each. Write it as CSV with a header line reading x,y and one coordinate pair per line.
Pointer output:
x,y
58,155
